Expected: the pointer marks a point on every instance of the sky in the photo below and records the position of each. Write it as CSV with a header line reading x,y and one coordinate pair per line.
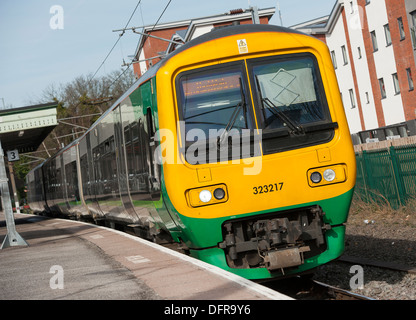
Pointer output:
x,y
51,42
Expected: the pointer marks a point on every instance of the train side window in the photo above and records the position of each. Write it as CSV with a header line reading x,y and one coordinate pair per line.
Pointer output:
x,y
134,131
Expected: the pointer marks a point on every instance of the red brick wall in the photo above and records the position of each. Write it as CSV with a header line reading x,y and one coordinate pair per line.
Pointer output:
x,y
372,67
153,46
320,36
403,54
263,20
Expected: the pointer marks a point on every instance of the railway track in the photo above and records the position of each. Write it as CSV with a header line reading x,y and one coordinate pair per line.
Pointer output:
x,y
304,288
383,279
337,293
379,264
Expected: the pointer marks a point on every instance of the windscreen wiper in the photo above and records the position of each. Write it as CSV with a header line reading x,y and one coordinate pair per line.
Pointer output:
x,y
233,118
266,103
295,128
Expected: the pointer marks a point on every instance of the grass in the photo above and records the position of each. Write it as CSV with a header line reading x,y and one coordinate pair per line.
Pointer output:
x,y
382,211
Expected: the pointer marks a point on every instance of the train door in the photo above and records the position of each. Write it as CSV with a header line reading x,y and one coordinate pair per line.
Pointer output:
x,y
50,173
149,106
122,165
46,186
88,177
82,208
147,136
93,172
72,191
85,177
138,161
64,205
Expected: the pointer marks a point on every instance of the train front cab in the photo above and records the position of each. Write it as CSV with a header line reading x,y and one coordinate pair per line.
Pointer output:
x,y
273,202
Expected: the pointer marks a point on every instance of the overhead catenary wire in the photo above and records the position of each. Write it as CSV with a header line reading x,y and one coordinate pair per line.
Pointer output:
x,y
105,59
117,41
120,75
121,34
154,26
111,50
161,15
125,28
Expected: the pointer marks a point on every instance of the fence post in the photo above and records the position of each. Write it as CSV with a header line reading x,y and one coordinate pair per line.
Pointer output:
x,y
360,167
397,176
368,174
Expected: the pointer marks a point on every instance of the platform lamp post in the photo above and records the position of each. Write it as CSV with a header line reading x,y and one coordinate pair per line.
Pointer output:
x,y
13,238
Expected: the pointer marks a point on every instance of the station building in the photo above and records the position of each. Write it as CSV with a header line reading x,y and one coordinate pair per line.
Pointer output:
x,y
373,48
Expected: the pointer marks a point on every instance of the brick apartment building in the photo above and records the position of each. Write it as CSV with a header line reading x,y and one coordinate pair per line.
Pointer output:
x,y
373,47
150,50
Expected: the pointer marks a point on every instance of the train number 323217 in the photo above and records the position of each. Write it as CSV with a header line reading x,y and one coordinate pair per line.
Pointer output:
x,y
272,187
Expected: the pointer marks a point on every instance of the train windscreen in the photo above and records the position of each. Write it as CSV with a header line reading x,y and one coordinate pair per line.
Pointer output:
x,y
216,112
290,107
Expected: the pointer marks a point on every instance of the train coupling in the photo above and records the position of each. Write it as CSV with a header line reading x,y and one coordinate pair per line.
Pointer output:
x,y
275,241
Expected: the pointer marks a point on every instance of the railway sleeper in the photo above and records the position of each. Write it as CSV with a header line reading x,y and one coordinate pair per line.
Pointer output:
x,y
275,241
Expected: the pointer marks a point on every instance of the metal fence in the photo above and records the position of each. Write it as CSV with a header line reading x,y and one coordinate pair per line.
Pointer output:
x,y
387,175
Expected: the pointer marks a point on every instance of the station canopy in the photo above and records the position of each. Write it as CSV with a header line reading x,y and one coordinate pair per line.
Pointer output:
x,y
21,129
24,129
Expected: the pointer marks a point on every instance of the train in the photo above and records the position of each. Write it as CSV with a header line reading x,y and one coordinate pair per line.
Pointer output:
x,y
235,146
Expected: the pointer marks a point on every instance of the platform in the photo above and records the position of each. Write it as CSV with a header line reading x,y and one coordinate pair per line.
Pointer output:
x,y
73,260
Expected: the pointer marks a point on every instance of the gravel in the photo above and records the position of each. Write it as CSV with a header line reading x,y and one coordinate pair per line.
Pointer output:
x,y
377,232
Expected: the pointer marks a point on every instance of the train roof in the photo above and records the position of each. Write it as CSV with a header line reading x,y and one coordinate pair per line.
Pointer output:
x,y
212,35
227,31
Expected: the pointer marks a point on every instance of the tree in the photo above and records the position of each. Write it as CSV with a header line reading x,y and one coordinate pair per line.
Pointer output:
x,y
85,98
21,168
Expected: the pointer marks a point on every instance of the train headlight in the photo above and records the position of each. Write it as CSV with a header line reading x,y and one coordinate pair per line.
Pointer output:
x,y
323,176
205,196
316,177
329,175
219,193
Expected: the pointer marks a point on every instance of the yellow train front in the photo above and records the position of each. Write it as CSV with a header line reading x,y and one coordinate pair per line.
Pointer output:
x,y
258,167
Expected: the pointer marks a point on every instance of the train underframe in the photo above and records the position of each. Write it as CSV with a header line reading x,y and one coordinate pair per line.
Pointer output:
x,y
276,241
